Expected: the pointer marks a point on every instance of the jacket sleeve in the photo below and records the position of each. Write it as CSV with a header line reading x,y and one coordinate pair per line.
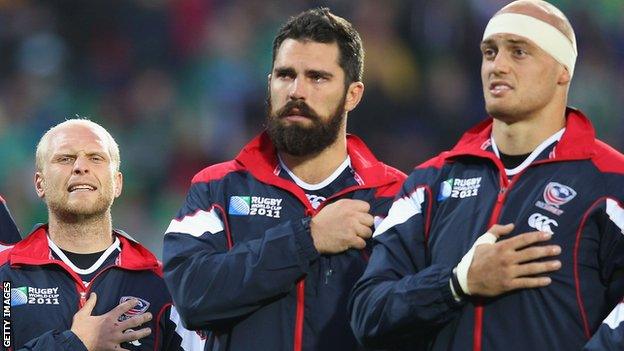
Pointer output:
x,y
173,334
611,251
9,234
400,290
610,334
213,284
55,341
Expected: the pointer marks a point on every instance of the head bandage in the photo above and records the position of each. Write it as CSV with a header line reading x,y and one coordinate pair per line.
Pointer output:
x,y
546,36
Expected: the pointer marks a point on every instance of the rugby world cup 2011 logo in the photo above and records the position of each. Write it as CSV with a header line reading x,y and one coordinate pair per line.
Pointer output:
x,y
558,194
140,308
240,205
19,296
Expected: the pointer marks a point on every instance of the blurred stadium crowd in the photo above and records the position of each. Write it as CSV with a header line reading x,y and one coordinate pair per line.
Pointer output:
x,y
182,84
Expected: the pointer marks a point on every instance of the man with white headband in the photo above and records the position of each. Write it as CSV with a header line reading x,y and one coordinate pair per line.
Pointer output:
x,y
534,179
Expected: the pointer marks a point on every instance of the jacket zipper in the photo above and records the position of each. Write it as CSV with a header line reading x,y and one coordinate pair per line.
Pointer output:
x,y
500,201
502,194
85,291
298,342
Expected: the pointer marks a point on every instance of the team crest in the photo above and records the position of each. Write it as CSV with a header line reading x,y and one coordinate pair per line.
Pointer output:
x,y
140,308
556,195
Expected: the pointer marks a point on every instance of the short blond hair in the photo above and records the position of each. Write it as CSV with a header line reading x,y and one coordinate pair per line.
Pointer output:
x,y
43,145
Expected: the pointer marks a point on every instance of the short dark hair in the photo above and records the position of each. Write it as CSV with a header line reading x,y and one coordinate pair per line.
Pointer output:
x,y
321,26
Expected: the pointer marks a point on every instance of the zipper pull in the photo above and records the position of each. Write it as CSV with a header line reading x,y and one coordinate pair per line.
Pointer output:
x,y
328,273
501,193
83,298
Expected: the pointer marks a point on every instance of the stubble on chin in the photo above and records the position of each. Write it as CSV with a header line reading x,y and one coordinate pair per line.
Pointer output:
x,y
73,211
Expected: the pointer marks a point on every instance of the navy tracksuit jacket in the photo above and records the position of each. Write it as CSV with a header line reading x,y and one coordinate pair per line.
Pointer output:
x,y
46,293
240,262
610,334
574,188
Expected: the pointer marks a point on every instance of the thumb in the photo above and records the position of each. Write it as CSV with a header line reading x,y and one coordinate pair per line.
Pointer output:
x,y
499,230
88,307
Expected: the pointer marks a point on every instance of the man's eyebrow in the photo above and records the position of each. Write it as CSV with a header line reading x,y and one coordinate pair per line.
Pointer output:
x,y
487,43
319,72
284,70
517,41
491,42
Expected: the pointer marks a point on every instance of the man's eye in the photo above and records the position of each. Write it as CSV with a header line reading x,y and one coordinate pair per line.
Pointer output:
x,y
520,52
489,53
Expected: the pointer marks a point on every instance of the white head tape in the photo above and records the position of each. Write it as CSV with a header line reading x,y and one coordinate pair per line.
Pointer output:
x,y
546,36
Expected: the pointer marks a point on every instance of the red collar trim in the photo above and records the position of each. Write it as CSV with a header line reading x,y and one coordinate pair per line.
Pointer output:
x,y
34,250
259,158
577,142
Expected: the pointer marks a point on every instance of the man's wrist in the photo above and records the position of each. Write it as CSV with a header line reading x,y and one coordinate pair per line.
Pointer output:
x,y
458,293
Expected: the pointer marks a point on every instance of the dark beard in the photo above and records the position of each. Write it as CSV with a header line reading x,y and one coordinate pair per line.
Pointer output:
x,y
297,140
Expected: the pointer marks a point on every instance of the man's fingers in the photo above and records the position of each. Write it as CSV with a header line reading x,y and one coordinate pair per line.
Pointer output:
x,y
356,205
366,219
535,268
499,229
363,231
536,252
358,243
135,321
123,308
131,335
526,239
88,307
528,283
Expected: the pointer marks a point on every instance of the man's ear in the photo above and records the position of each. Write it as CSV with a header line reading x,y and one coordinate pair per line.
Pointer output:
x,y
354,95
564,77
39,185
118,183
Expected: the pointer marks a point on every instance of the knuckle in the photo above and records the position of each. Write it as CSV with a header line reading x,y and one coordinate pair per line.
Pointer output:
x,y
545,251
547,267
353,221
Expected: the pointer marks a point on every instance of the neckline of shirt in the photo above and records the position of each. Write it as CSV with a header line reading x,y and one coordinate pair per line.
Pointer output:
x,y
307,186
114,246
538,150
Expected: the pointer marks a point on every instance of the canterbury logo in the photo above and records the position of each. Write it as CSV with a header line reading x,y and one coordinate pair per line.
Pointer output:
x,y
542,223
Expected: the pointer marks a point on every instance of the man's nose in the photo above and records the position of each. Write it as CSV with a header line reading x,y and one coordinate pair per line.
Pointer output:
x,y
298,89
81,165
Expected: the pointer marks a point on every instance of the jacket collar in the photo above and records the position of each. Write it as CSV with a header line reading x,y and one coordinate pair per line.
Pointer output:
x,y
259,158
577,142
34,250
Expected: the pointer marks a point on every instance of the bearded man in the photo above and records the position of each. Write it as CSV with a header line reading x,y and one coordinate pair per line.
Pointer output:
x,y
266,248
